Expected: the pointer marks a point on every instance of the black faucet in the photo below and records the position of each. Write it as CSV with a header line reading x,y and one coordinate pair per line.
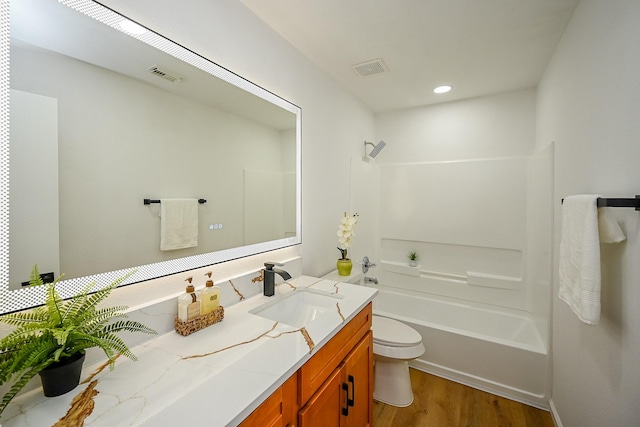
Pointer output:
x,y
269,286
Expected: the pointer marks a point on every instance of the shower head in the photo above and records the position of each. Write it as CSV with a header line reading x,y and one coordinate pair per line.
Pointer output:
x,y
376,148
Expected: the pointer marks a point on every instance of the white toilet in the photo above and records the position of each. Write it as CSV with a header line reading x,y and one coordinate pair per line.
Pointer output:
x,y
394,344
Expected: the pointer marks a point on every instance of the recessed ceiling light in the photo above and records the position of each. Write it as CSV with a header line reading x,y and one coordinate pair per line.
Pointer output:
x,y
442,89
131,27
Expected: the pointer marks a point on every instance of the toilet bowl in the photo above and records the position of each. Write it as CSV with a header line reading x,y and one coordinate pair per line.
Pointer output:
x,y
394,344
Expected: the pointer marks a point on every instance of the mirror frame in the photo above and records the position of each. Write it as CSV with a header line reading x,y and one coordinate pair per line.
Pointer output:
x,y
20,299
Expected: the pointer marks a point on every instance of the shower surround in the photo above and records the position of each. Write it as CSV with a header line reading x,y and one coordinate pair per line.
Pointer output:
x,y
481,229
461,186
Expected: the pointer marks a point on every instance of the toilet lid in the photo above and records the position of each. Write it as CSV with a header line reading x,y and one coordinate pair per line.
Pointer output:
x,y
392,333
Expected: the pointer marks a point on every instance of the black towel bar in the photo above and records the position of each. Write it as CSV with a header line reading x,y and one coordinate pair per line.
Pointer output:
x,y
149,201
618,203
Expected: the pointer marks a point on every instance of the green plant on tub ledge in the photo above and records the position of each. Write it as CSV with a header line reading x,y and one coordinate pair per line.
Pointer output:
x,y
413,258
55,336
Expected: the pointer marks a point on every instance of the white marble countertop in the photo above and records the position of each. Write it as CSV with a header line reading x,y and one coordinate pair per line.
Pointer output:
x,y
214,377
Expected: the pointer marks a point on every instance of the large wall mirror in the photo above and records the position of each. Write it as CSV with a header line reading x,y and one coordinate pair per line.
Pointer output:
x,y
99,114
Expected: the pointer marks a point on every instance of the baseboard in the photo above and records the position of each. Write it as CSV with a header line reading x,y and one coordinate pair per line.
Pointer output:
x,y
554,414
535,400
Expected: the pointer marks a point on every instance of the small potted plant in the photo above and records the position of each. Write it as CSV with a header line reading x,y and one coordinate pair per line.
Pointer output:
x,y
413,258
54,337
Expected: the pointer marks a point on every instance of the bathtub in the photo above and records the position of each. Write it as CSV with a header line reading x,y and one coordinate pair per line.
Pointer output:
x,y
489,349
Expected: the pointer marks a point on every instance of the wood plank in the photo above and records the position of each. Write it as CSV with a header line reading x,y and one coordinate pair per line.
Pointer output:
x,y
440,402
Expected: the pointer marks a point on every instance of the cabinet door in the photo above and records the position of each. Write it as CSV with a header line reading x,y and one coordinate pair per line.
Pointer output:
x,y
358,375
324,409
279,410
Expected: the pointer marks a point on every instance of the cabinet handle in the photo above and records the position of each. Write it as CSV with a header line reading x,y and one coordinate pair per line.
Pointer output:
x,y
345,410
351,401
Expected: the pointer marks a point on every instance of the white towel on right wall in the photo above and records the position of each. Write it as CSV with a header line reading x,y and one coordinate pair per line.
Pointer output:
x,y
584,227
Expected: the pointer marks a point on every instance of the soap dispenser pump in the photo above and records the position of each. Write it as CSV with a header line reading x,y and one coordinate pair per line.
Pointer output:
x,y
210,296
188,303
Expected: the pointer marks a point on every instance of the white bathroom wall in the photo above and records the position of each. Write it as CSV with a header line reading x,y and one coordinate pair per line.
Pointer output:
x,y
501,125
365,200
589,106
228,34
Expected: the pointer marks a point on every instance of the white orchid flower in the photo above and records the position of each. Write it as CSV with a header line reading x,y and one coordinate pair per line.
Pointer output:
x,y
345,232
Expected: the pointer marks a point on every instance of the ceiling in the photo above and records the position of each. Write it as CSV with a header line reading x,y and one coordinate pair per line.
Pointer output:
x,y
479,47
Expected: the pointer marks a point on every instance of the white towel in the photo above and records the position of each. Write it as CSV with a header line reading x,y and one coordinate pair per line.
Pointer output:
x,y
580,254
178,224
608,228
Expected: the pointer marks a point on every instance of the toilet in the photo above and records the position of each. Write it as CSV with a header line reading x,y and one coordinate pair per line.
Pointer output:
x,y
394,344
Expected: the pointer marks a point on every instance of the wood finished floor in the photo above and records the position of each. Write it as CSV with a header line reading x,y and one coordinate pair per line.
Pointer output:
x,y
443,403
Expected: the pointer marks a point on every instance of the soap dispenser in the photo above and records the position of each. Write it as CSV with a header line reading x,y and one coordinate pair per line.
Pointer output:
x,y
188,303
210,296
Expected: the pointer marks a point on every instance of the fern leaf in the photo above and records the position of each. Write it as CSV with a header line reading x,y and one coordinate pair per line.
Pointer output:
x,y
128,326
25,317
52,303
61,336
34,354
84,341
112,344
102,316
18,338
19,385
97,297
74,308
118,346
92,301
35,279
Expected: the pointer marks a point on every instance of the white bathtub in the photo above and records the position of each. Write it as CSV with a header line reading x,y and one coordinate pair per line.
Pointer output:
x,y
492,350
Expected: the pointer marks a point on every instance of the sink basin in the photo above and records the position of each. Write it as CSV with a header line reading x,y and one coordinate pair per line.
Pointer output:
x,y
298,308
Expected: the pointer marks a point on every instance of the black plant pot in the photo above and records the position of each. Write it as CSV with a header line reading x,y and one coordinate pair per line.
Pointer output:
x,y
63,376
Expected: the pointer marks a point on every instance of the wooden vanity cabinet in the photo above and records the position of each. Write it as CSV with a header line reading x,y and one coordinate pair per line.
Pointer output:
x,y
333,389
336,385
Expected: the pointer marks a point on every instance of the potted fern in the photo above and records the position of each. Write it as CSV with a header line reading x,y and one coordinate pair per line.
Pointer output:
x,y
55,336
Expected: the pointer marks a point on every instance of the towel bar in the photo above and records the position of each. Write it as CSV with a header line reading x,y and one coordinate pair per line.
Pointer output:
x,y
149,201
619,203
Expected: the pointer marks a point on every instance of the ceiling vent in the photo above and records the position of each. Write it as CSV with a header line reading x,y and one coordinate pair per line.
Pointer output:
x,y
369,68
165,74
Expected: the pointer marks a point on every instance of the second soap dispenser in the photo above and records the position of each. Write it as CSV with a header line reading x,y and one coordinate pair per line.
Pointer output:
x,y
210,296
